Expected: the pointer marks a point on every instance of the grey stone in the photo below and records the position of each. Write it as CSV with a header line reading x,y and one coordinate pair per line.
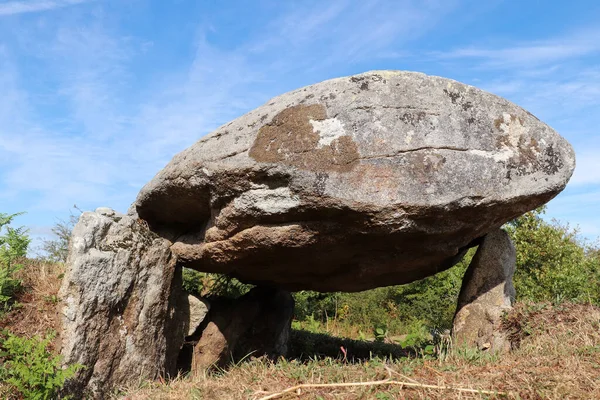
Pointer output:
x,y
486,294
119,298
353,183
198,308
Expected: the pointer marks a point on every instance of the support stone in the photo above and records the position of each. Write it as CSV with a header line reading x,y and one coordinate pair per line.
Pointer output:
x,y
256,324
123,315
487,292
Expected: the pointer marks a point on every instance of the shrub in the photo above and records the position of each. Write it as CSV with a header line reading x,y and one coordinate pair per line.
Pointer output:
x,y
57,249
433,299
553,264
30,368
427,304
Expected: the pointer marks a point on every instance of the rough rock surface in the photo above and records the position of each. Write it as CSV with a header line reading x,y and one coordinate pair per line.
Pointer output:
x,y
354,183
256,324
198,308
120,294
487,292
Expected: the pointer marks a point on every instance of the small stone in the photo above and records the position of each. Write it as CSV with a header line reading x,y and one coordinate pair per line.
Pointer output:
x,y
256,324
198,310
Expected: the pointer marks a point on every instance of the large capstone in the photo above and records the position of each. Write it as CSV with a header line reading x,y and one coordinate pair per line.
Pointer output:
x,y
354,183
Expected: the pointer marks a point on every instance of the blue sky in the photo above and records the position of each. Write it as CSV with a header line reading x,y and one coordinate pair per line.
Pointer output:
x,y
97,96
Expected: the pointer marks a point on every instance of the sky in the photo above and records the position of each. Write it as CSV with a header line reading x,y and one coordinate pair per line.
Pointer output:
x,y
97,96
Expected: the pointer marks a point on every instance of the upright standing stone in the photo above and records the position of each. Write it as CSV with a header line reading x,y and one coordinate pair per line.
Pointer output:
x,y
487,292
120,294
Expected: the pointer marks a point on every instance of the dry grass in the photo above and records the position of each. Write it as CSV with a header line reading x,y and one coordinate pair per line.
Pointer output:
x,y
559,358
36,311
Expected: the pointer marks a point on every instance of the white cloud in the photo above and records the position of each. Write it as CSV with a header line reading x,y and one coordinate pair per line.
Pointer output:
x,y
531,54
21,7
587,171
558,80
108,149
344,32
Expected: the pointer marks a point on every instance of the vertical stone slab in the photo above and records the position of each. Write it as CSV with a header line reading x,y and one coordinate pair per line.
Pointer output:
x,y
119,296
487,292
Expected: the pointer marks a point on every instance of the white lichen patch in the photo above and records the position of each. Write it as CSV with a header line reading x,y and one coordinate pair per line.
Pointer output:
x,y
502,155
70,308
267,201
409,136
329,130
512,127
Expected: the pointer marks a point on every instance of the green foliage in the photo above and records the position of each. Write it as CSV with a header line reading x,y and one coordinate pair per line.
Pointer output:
x,y
412,309
13,246
193,281
31,369
212,285
552,263
433,299
418,335
380,333
311,304
309,324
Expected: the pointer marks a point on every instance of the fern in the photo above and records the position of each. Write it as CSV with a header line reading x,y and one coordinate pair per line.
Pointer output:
x,y
31,369
13,246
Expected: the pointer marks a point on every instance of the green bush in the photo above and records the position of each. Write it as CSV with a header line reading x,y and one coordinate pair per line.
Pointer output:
x,y
31,370
553,264
419,306
13,246
433,299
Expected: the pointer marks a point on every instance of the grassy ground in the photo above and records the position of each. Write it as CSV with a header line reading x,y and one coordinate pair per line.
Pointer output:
x,y
558,357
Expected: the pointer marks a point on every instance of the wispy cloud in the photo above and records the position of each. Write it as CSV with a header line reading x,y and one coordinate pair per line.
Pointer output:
x,y
21,7
319,38
532,53
588,167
